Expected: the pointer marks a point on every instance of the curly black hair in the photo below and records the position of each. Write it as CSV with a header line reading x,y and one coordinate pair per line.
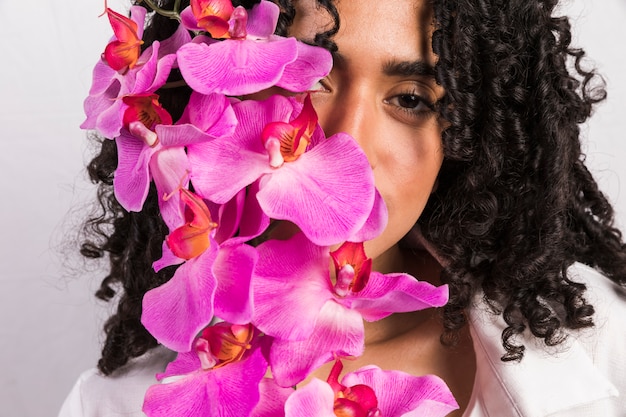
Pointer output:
x,y
529,206
515,204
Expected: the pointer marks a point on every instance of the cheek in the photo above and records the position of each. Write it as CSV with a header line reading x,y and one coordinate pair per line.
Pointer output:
x,y
408,172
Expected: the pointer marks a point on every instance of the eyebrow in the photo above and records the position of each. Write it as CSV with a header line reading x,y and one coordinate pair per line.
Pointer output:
x,y
409,68
392,68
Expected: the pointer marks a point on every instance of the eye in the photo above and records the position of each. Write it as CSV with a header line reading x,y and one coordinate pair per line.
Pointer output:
x,y
411,102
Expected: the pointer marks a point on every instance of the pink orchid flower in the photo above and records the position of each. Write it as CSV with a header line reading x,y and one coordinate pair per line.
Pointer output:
x,y
104,106
151,148
213,279
323,185
372,392
219,378
292,276
251,58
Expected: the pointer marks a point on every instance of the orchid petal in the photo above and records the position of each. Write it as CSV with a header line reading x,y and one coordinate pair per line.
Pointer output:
x,y
328,201
235,67
338,332
277,292
229,391
170,45
167,259
138,15
102,78
209,174
177,310
272,401
233,270
237,385
146,79
262,20
211,113
164,66
253,221
375,223
132,177
229,216
185,363
103,112
313,64
188,19
181,135
187,397
109,123
169,168
123,52
397,293
402,395
315,399
194,237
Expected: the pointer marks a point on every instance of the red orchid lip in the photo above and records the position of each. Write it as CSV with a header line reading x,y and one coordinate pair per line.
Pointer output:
x,y
285,142
224,343
146,109
355,401
352,267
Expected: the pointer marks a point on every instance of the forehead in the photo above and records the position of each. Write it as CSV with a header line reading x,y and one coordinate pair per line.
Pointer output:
x,y
401,28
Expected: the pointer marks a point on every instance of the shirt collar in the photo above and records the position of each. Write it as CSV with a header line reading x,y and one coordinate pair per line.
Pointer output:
x,y
547,380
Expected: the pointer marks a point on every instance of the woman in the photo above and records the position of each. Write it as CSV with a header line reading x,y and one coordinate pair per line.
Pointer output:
x,y
469,117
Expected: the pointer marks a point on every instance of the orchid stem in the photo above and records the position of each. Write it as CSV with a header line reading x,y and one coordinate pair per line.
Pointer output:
x,y
172,14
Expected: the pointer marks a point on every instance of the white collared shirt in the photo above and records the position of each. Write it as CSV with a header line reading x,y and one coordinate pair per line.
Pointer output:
x,y
584,376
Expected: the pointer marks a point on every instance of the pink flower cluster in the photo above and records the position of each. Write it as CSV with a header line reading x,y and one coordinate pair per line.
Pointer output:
x,y
251,322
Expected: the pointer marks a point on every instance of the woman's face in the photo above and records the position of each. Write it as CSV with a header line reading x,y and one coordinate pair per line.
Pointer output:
x,y
379,92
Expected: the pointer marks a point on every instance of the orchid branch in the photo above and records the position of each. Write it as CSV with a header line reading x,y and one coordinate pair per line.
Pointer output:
x,y
172,14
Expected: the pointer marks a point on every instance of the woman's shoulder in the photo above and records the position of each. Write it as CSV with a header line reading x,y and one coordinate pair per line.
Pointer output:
x,y
585,375
604,342
120,394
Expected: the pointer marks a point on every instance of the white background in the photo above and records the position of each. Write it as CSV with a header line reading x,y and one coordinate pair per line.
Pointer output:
x,y
49,321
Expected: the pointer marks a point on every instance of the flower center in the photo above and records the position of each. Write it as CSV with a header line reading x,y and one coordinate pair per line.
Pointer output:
x,y
355,401
285,142
223,343
352,267
193,238
220,19
144,112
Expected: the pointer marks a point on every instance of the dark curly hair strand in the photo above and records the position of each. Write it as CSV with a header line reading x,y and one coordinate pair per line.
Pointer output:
x,y
530,207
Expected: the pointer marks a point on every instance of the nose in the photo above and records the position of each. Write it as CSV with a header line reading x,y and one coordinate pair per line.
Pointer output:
x,y
351,112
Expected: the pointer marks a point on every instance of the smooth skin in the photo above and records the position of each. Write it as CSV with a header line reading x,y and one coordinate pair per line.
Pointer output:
x,y
381,91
